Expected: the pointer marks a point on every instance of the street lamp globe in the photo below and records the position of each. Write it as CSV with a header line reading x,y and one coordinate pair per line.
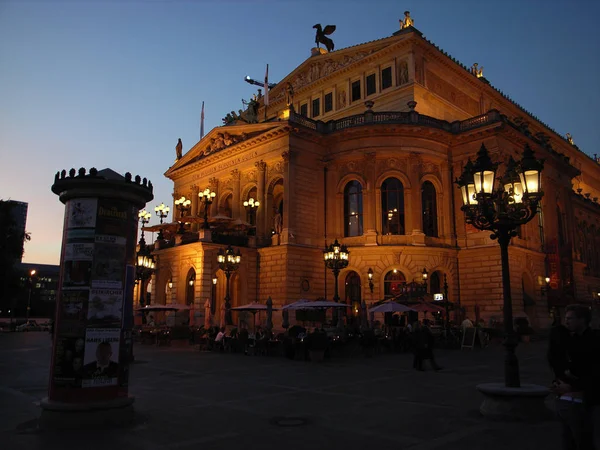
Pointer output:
x,y
484,172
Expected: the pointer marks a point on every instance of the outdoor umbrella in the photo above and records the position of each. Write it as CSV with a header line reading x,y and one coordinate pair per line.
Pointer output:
x,y
222,317
254,308
171,307
391,307
207,314
319,304
269,313
425,308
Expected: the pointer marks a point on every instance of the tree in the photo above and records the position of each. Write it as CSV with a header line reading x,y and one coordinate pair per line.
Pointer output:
x,y
12,246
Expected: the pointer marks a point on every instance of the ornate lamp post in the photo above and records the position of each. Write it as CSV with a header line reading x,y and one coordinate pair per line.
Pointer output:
x,y
371,285
161,211
251,206
229,261
183,205
213,292
447,303
144,217
336,258
144,268
425,274
501,211
207,196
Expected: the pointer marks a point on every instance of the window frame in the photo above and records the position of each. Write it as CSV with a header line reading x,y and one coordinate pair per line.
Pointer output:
x,y
348,215
325,111
303,105
384,202
391,68
360,86
374,75
312,107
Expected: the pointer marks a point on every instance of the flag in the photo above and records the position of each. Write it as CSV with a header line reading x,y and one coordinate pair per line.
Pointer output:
x,y
267,86
202,122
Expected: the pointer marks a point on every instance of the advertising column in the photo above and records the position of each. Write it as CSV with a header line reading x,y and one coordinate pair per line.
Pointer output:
x,y
89,372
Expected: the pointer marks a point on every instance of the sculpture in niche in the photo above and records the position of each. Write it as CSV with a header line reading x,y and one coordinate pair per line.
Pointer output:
x,y
277,222
289,89
342,99
403,72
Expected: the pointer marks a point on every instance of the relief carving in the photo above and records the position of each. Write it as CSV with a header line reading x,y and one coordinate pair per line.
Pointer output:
x,y
261,165
341,99
403,72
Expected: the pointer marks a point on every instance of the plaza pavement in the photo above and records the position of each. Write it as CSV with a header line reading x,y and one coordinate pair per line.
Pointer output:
x,y
192,400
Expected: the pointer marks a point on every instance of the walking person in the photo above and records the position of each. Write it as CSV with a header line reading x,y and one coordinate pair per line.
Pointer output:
x,y
575,359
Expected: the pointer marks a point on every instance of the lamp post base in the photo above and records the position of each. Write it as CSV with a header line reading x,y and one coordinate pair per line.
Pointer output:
x,y
116,412
507,404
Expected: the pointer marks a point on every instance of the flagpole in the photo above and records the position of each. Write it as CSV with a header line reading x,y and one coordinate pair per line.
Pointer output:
x,y
266,91
202,122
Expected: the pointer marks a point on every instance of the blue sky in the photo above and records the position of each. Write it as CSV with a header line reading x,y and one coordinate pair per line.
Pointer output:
x,y
115,83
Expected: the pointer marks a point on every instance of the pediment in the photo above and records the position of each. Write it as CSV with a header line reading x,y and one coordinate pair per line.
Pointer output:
x,y
219,139
322,66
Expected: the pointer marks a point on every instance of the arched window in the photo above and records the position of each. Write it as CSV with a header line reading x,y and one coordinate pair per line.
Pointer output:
x,y
435,283
225,206
353,292
428,199
190,281
393,282
353,209
392,206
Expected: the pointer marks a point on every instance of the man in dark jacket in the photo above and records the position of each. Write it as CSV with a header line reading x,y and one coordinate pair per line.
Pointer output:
x,y
577,387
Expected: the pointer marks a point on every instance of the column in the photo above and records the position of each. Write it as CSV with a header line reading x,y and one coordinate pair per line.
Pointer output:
x,y
287,234
236,204
260,192
369,200
213,185
195,206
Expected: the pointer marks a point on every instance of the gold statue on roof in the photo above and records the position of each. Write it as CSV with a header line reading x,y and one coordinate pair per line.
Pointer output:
x,y
477,71
570,139
407,22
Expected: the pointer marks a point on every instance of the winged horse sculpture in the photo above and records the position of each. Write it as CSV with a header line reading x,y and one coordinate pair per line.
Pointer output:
x,y
322,34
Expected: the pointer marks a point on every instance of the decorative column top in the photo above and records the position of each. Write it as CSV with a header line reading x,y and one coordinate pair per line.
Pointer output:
x,y
261,165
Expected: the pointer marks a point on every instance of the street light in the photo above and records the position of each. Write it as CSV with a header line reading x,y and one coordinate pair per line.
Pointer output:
x,y
501,211
144,217
546,287
183,205
447,303
145,264
213,294
336,258
425,274
207,196
32,272
370,274
229,261
161,211
251,206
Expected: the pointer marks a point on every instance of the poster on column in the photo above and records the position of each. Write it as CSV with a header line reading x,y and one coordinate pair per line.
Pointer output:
x,y
101,362
72,312
108,269
81,213
78,265
68,361
105,309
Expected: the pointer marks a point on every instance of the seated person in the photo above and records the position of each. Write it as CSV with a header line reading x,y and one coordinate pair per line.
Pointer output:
x,y
220,335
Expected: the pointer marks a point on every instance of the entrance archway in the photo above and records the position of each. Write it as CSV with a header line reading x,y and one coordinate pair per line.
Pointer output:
x,y
353,290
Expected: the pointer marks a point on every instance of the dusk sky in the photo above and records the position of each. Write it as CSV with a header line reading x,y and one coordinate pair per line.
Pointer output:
x,y
115,83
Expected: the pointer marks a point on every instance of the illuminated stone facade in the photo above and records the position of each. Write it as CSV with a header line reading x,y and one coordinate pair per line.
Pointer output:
x,y
368,155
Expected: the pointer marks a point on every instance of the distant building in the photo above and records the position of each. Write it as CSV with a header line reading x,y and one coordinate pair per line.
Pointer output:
x,y
363,145
44,287
19,214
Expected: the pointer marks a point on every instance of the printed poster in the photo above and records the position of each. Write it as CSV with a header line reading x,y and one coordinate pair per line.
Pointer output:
x,y
77,274
68,361
101,362
79,252
73,311
109,262
105,308
115,217
82,213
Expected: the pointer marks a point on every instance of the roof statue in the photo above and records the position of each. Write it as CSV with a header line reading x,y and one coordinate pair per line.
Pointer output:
x,y
179,149
570,139
321,36
477,71
407,22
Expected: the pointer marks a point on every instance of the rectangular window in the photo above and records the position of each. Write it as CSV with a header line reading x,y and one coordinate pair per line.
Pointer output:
x,y
355,90
371,85
328,102
304,110
316,107
386,78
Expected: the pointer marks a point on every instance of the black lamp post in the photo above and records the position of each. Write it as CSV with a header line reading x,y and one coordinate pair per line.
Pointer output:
x,y
229,261
207,196
425,274
145,261
162,211
183,205
251,206
447,303
336,258
144,217
546,286
213,293
32,273
501,211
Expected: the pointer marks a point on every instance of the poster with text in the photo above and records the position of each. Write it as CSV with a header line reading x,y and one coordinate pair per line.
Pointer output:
x,y
105,308
73,311
114,217
79,252
80,235
68,361
109,262
101,362
82,213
